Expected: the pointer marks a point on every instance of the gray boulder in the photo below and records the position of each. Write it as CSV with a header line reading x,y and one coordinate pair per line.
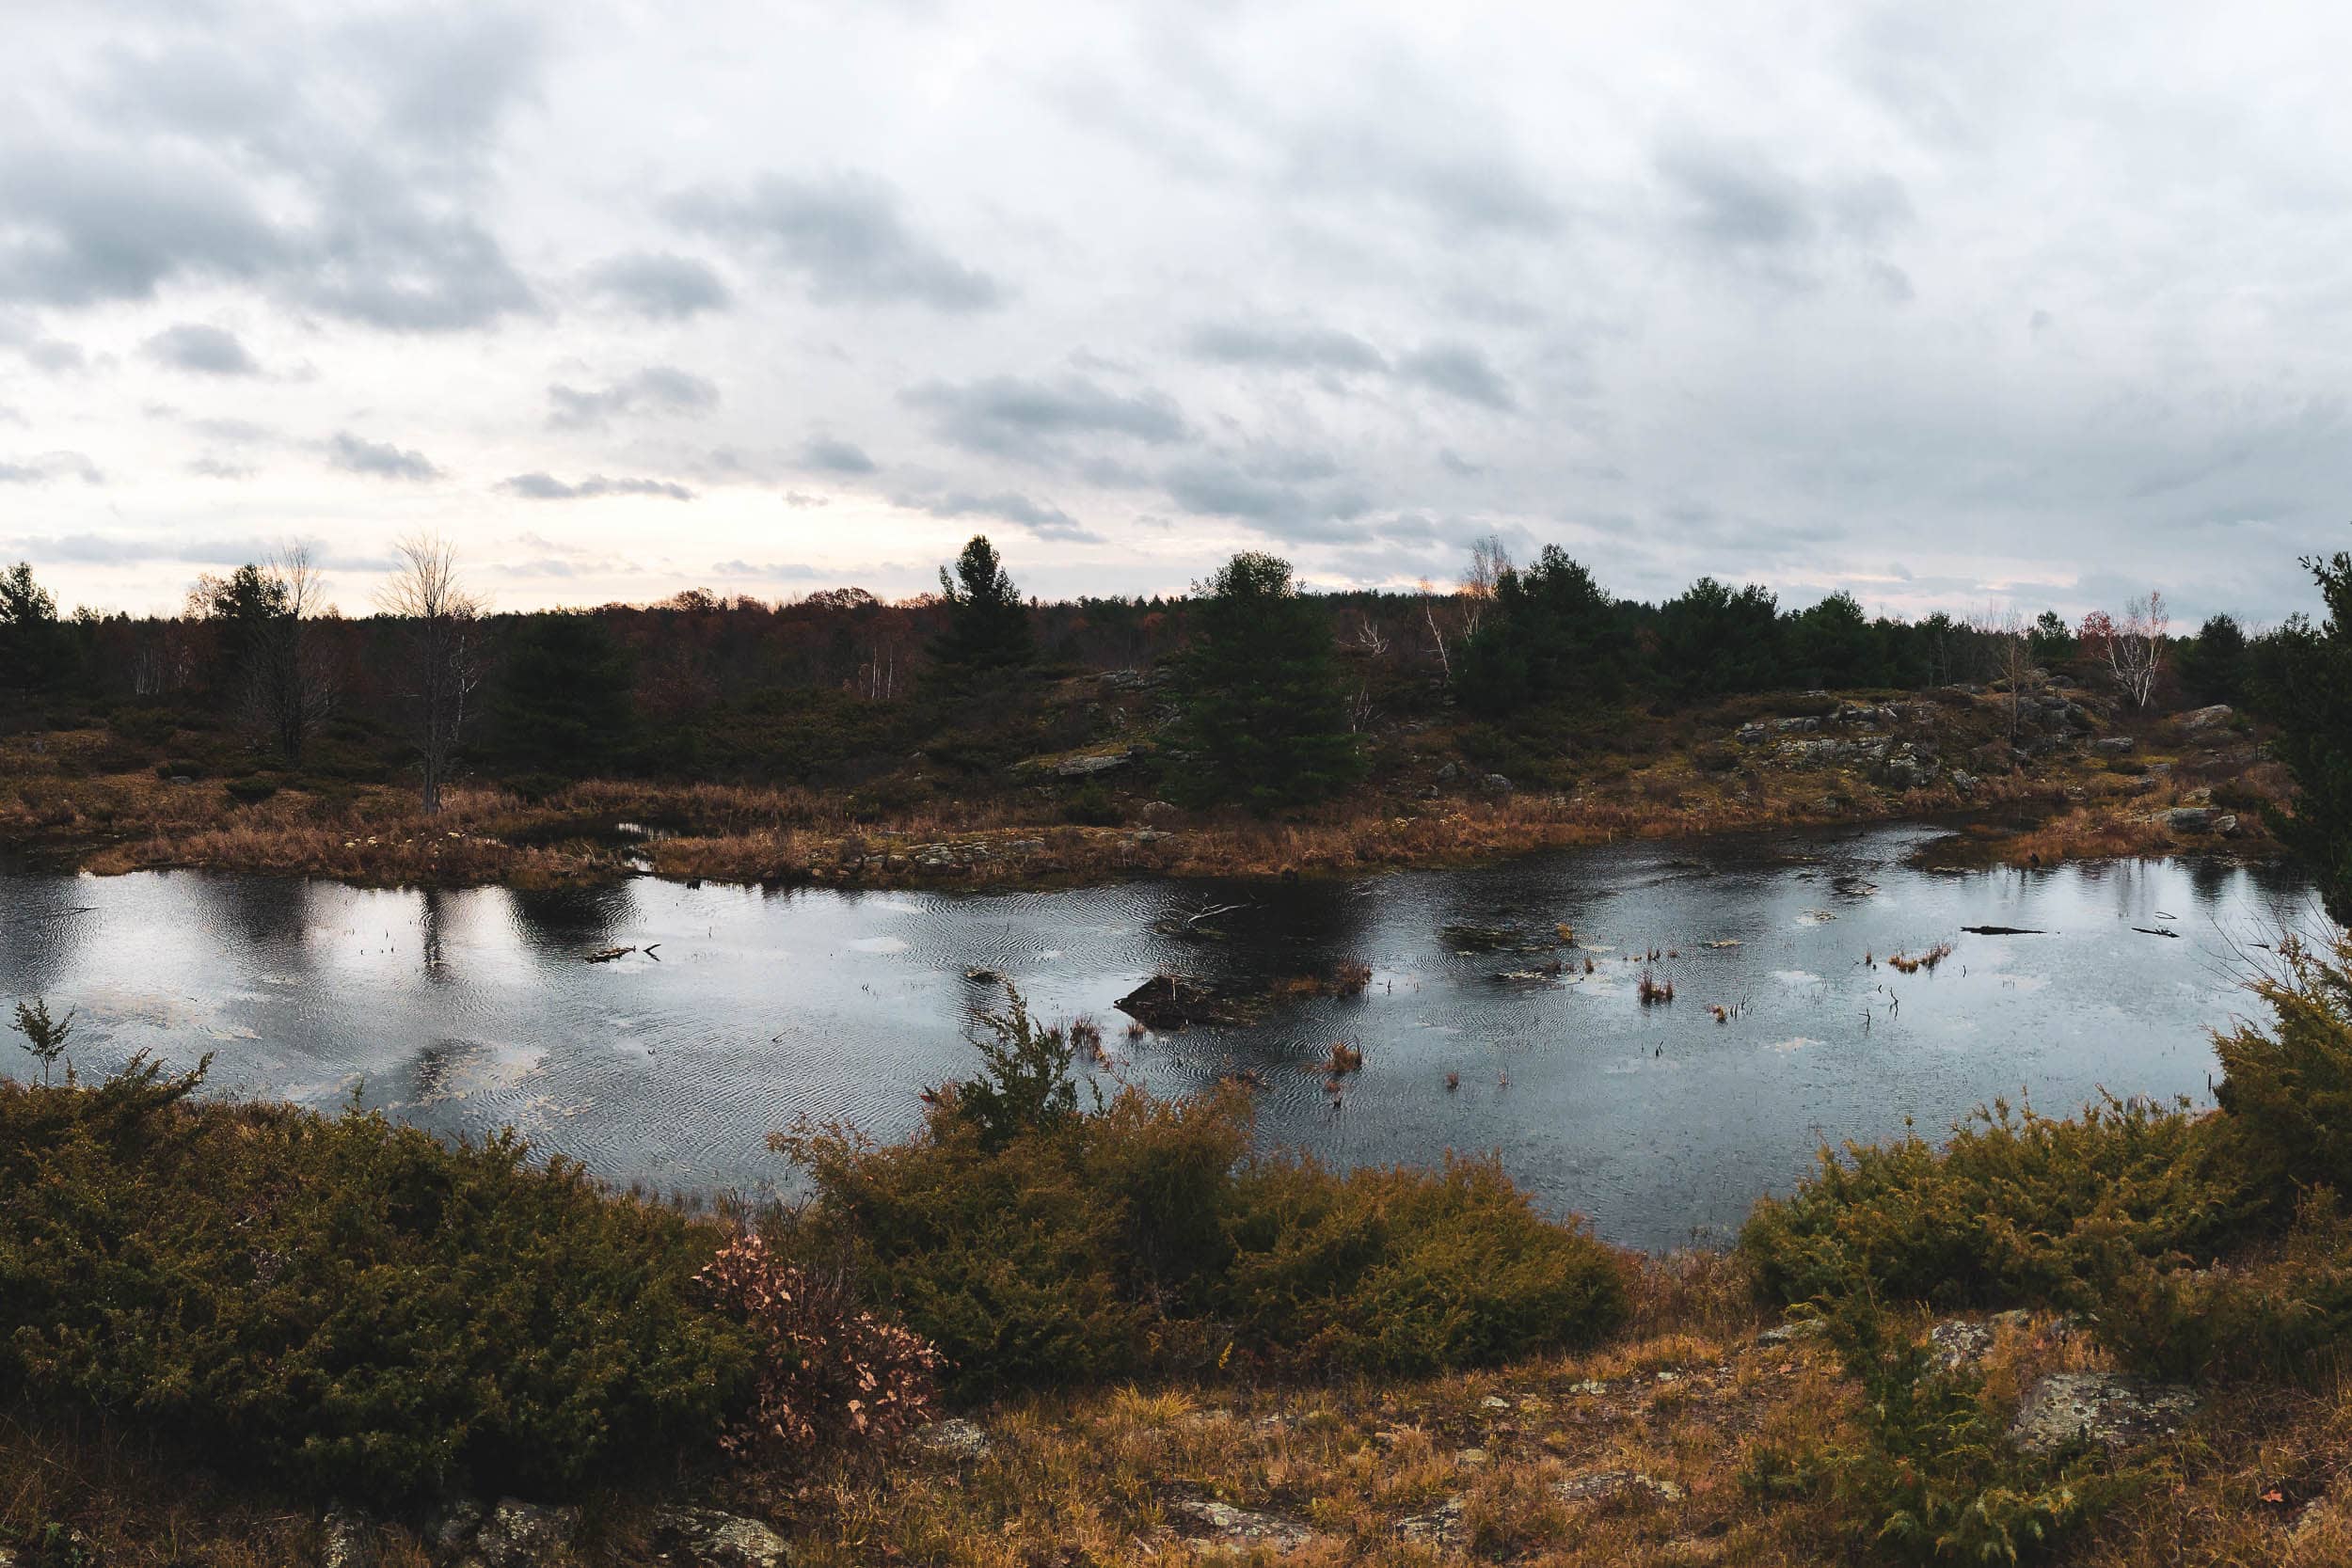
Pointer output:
x,y
518,1534
2189,819
1086,767
1587,1486
1959,1342
2105,1409
1211,1526
1495,783
710,1538
954,1438
2208,717
2117,744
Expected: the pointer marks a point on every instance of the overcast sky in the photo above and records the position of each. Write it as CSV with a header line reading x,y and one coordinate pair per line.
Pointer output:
x,y
1949,305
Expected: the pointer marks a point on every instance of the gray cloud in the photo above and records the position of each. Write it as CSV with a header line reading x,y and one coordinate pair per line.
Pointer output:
x,y
99,549
828,456
220,467
846,236
255,164
47,466
377,459
1459,370
801,501
655,390
546,487
203,350
1011,417
661,285
1304,348
1041,518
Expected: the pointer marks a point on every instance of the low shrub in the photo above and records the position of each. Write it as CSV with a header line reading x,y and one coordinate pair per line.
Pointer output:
x,y
2016,1208
2288,1091
251,792
346,1304
1038,1243
1932,1478
2286,1313
831,1373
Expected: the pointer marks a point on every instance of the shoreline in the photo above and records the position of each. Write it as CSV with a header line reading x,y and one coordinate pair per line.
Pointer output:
x,y
2020,828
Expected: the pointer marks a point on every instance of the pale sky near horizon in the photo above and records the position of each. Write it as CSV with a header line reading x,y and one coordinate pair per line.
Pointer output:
x,y
1955,307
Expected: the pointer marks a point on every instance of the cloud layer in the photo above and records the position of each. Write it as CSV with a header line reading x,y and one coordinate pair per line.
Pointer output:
x,y
2003,305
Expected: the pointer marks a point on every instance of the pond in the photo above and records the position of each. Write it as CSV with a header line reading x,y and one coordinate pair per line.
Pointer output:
x,y
743,1012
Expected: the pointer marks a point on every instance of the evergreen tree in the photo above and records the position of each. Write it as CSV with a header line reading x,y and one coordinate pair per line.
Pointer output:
x,y
988,625
563,703
1265,716
2213,664
2051,640
1831,644
1712,641
1552,632
2304,685
32,645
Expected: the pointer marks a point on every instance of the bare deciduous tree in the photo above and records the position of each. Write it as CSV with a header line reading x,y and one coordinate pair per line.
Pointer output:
x,y
2009,636
2135,649
290,684
1437,632
1489,558
440,624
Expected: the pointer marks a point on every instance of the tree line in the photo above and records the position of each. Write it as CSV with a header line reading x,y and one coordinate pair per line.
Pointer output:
x,y
1278,686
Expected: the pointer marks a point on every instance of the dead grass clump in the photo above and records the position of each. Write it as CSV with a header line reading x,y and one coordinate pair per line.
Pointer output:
x,y
1654,991
1905,963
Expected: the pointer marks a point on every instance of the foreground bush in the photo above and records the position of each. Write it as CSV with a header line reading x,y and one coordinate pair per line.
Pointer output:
x,y
1037,1244
2288,1091
1933,1477
349,1305
2016,1208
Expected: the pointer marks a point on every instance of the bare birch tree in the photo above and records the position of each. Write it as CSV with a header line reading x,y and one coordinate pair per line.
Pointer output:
x,y
2011,640
440,627
1489,558
2135,647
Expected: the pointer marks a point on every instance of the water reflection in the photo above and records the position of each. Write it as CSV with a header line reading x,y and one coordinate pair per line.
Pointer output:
x,y
464,1011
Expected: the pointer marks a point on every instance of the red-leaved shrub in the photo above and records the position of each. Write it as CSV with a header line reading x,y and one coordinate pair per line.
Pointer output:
x,y
830,1374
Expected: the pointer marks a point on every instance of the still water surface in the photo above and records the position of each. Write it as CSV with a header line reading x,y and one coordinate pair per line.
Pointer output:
x,y
463,1012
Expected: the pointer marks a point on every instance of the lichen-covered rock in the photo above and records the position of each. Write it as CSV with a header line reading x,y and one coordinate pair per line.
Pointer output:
x,y
518,1534
1959,1342
953,1438
1440,1527
1211,1526
706,1537
1588,1486
343,1540
2106,1409
1789,1333
2208,717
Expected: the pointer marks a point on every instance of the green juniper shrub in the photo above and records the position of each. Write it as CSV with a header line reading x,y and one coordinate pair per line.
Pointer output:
x,y
2288,1091
2016,1208
251,792
1409,1272
1039,1243
2283,1312
1934,1478
348,1305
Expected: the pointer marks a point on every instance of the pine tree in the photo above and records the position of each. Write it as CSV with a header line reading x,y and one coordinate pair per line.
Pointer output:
x,y
988,625
564,704
32,645
2305,684
1264,718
